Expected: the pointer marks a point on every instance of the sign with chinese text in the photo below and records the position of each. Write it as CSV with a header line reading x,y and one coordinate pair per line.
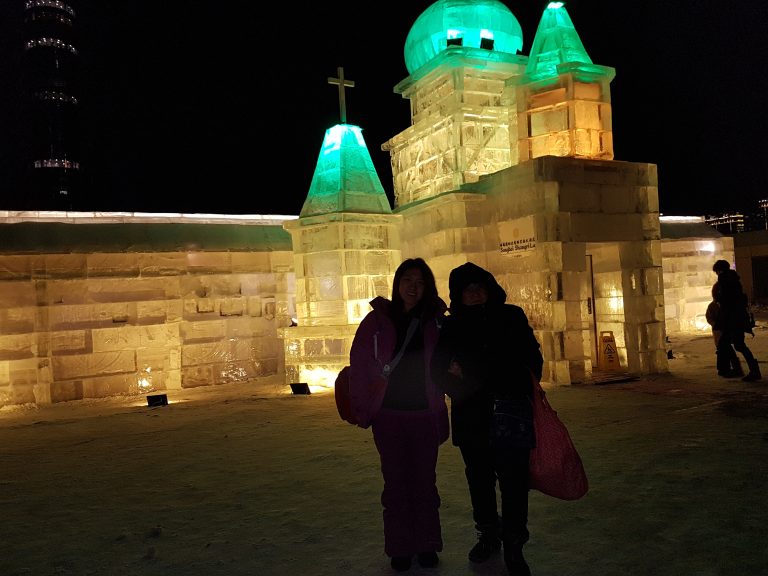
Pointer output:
x,y
516,237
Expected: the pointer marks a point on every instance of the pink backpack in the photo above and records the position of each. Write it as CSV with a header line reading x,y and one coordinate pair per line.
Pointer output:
x,y
341,391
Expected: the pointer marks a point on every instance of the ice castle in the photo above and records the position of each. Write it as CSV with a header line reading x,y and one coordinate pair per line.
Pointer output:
x,y
508,162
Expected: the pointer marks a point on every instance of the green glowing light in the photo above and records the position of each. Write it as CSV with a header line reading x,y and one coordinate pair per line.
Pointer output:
x,y
556,42
470,20
345,179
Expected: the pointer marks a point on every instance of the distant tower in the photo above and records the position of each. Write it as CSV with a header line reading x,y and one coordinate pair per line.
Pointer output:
x,y
51,159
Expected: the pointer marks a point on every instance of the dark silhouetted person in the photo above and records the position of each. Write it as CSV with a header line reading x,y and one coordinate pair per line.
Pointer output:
x,y
732,321
406,410
728,366
486,354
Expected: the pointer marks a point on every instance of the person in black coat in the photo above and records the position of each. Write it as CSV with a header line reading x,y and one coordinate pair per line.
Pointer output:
x,y
732,321
487,355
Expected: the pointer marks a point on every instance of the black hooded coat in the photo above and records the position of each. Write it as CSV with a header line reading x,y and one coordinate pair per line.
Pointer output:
x,y
733,312
495,347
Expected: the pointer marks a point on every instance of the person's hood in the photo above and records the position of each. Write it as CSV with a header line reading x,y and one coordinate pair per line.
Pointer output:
x,y
721,266
470,273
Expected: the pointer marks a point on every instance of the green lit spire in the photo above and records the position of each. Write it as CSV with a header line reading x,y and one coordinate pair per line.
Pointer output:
x,y
556,42
345,179
486,24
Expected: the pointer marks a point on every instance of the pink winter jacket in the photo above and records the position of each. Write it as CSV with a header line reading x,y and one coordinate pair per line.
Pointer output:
x,y
372,348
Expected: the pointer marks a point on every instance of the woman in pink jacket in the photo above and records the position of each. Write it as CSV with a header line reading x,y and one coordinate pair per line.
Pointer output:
x,y
392,392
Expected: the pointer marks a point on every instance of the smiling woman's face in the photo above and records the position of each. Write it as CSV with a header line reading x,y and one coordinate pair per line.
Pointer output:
x,y
411,288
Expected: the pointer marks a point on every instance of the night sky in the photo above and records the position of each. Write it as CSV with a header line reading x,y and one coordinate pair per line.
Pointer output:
x,y
221,107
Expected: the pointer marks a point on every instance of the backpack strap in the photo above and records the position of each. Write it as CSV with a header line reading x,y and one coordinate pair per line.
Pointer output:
x,y
387,369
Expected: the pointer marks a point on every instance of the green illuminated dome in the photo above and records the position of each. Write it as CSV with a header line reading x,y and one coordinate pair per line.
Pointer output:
x,y
485,24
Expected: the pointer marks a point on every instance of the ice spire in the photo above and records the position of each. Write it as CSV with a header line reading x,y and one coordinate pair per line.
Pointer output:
x,y
556,42
345,179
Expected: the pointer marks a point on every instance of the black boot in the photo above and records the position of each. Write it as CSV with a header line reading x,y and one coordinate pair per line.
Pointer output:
x,y
514,540
513,558
488,543
754,372
401,563
428,559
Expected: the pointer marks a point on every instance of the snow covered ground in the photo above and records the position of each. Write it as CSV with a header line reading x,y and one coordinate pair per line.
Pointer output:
x,y
247,479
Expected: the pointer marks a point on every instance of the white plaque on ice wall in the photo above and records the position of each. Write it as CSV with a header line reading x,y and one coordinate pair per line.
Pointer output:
x,y
516,237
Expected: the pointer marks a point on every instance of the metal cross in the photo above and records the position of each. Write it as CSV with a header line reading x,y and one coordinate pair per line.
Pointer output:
x,y
342,83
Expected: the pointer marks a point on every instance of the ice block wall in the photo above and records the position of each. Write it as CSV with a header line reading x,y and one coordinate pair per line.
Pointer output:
x,y
689,249
574,242
595,264
90,310
461,127
569,117
342,260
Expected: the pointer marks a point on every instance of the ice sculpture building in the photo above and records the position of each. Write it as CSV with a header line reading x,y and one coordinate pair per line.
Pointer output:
x,y
507,162
346,248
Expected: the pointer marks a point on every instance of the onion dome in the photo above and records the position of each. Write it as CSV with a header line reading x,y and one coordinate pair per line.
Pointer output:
x,y
486,24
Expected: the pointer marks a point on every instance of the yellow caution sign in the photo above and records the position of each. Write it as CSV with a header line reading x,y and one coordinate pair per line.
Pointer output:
x,y
608,356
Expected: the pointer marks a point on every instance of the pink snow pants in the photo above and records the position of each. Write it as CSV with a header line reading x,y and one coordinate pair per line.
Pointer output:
x,y
408,443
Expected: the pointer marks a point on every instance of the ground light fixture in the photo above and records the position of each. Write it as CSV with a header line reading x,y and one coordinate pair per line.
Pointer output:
x,y
157,400
300,388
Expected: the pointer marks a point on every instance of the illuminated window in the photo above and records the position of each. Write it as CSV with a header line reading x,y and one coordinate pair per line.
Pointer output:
x,y
454,37
486,39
